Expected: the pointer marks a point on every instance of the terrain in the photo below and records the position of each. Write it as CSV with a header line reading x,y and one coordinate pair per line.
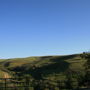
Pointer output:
x,y
45,67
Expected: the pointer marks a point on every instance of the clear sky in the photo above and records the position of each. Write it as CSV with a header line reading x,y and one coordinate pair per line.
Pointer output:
x,y
44,27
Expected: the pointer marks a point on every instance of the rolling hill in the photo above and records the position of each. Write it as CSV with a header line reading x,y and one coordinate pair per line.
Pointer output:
x,y
45,67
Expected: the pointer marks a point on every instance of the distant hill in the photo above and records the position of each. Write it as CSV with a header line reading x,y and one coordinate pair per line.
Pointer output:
x,y
46,67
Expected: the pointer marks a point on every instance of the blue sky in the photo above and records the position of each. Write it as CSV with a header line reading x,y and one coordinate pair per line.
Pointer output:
x,y
44,27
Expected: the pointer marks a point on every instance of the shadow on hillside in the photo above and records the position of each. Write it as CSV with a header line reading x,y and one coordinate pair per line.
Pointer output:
x,y
58,64
62,58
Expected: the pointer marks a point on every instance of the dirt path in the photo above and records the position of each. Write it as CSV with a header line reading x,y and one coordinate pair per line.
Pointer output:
x,y
6,75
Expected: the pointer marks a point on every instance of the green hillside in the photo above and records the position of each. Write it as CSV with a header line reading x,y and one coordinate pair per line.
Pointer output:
x,y
48,72
46,67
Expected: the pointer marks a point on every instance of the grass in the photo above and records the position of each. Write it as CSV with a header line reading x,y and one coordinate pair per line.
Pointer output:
x,y
52,67
1,74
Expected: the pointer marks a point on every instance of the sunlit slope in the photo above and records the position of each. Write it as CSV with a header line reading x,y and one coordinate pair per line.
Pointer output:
x,y
47,66
1,72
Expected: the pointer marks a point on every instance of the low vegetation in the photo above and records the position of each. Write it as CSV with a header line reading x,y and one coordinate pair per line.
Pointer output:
x,y
67,68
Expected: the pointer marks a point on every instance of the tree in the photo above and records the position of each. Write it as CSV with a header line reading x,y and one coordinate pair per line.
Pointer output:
x,y
86,78
87,70
59,85
68,82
